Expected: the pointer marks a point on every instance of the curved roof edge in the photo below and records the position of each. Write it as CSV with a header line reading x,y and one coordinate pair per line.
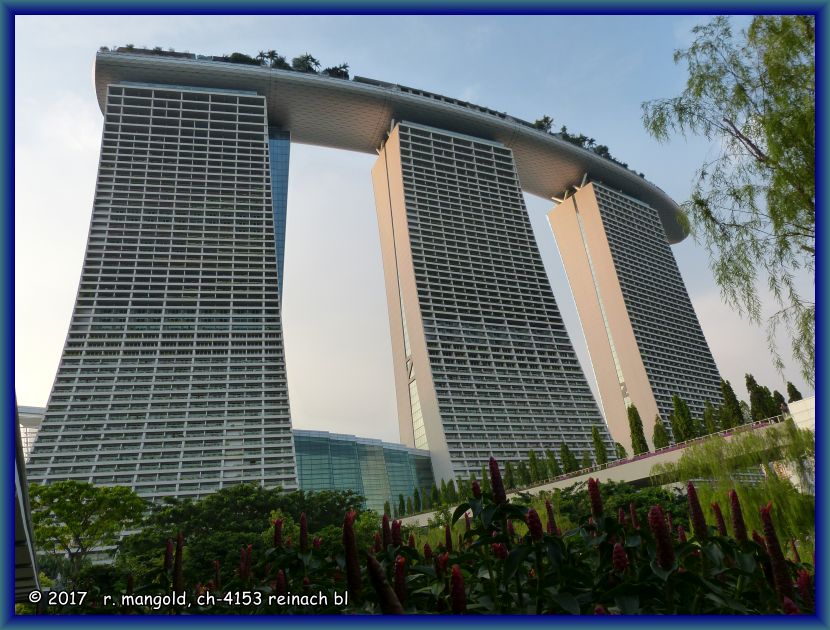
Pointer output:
x,y
356,115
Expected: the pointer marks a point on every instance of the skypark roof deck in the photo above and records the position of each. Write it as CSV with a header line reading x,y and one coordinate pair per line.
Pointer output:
x,y
356,115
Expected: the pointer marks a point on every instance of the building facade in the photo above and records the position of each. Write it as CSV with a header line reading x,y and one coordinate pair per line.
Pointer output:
x,y
643,335
377,470
483,364
29,419
172,379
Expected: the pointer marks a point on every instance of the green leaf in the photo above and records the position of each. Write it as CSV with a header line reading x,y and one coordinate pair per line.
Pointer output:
x,y
514,560
567,602
628,604
459,512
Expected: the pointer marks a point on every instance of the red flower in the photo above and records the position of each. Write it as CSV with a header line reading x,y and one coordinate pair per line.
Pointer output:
x,y
721,524
457,594
378,543
317,542
599,609
534,524
396,533
412,540
789,607
619,559
476,489
511,533
759,540
386,531
400,579
632,511
448,538
389,603
621,516
353,581
662,538
595,498
277,533
696,513
681,534
794,549
442,563
303,533
281,586
805,588
466,522
427,551
780,573
738,525
499,550
551,519
496,484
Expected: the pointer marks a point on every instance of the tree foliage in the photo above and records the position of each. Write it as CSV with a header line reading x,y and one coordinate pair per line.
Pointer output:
x,y
730,410
659,435
635,426
73,518
682,425
793,394
569,463
725,463
753,204
599,446
761,402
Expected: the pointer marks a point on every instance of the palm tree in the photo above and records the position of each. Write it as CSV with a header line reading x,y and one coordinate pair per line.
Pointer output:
x,y
305,63
277,61
261,57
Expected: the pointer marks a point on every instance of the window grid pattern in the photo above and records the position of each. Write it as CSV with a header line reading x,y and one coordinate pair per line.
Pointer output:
x,y
505,373
279,149
172,379
377,470
675,354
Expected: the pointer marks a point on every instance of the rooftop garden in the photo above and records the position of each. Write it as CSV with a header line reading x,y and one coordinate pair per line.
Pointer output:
x,y
307,63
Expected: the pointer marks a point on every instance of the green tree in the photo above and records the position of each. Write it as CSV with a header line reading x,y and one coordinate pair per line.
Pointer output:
x,y
710,418
509,476
435,497
277,61
523,474
793,394
599,446
620,450
730,411
761,403
533,466
338,72
410,508
452,493
753,205
659,435
682,425
780,403
73,518
635,426
544,123
416,499
586,460
553,465
305,63
387,509
401,505
485,480
569,463
443,493
746,412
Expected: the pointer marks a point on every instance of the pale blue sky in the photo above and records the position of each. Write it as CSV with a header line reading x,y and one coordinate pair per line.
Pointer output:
x,y
588,72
